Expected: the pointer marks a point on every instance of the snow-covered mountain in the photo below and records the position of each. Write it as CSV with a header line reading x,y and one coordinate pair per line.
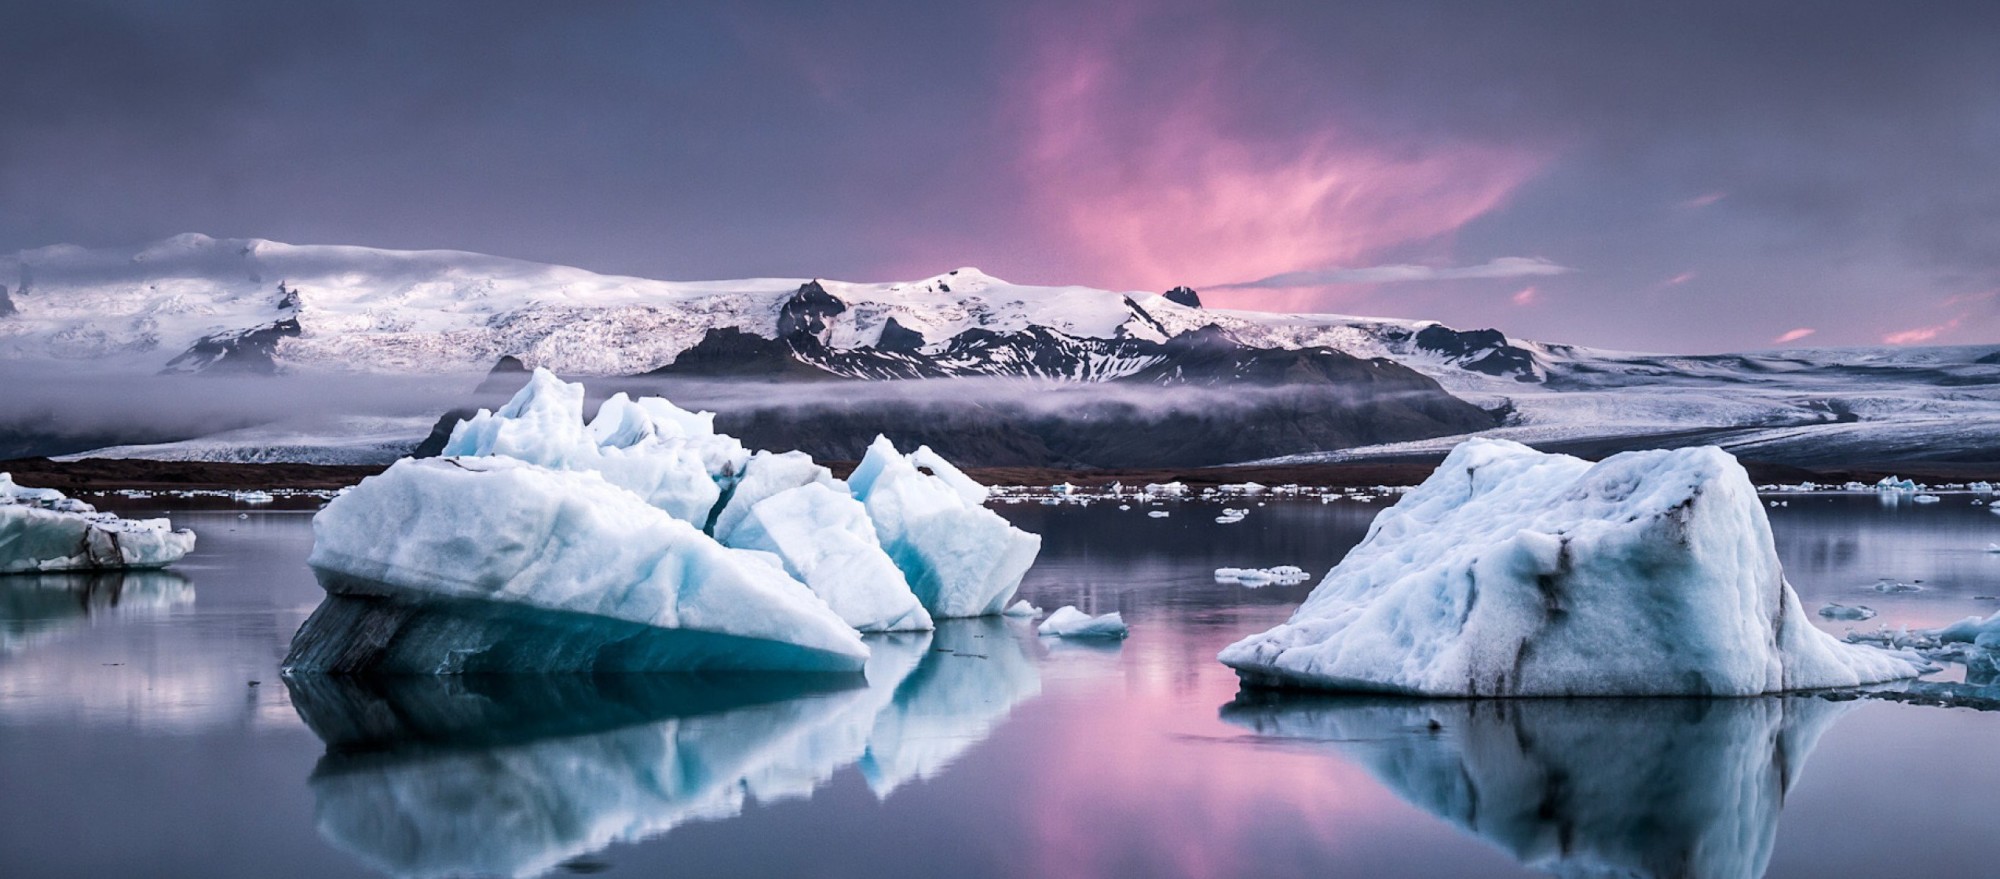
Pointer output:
x,y
193,303
1327,387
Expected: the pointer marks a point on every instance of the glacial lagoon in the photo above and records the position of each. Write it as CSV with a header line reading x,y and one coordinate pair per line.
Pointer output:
x,y
144,730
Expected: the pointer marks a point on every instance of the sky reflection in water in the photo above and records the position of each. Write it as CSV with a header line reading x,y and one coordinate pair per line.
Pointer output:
x,y
980,750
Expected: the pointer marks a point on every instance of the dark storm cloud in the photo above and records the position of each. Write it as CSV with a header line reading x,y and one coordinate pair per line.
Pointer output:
x,y
1718,174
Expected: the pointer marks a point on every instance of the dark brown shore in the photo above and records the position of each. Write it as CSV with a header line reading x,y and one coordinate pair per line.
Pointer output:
x,y
97,474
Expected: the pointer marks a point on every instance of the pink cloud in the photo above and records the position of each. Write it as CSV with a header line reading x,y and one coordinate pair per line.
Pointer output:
x,y
1704,200
1526,296
1922,334
1678,280
1149,189
1793,335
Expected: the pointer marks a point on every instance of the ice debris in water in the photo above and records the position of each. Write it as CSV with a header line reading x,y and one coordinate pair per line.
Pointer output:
x,y
1283,574
643,540
1510,572
1837,611
1159,514
1232,516
1023,609
41,529
1068,622
1896,586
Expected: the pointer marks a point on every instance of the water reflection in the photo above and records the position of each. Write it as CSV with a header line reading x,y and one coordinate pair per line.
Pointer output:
x,y
38,607
1656,788
516,775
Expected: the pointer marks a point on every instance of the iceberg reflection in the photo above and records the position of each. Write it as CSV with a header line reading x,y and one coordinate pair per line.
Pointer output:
x,y
515,775
35,607
1681,788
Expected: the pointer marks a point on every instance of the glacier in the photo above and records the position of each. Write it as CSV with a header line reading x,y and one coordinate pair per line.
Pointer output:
x,y
1657,788
1510,572
962,559
641,540
41,529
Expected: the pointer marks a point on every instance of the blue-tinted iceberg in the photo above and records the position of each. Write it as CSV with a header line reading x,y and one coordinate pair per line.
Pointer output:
x,y
43,530
584,575
961,559
1510,572
641,540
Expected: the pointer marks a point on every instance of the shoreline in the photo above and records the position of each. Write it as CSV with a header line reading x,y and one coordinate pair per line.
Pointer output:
x,y
99,474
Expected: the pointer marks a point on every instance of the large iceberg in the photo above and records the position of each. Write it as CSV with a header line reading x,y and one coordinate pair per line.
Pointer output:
x,y
495,534
962,559
1510,572
43,530
641,540
1660,788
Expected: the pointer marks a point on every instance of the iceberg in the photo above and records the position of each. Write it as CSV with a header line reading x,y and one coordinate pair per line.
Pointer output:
x,y
961,559
1068,622
824,538
1664,788
500,565
669,457
1510,572
42,529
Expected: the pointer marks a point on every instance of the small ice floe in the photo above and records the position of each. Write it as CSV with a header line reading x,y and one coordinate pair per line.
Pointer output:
x,y
42,529
1993,547
253,497
1159,514
1023,609
1857,612
1895,587
1284,575
1124,506
1170,489
1072,623
1231,516
1926,499
1892,483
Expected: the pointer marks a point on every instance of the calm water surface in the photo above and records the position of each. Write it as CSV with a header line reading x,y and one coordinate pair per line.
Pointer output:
x,y
144,731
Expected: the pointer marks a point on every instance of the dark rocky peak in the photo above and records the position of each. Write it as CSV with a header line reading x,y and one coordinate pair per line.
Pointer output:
x,y
1184,296
804,319
236,352
1144,317
1485,351
6,304
1990,358
288,297
899,339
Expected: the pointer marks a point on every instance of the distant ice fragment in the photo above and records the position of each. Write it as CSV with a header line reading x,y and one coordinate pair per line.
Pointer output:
x,y
1158,514
1282,574
961,559
1856,612
42,529
1023,609
1510,572
1068,622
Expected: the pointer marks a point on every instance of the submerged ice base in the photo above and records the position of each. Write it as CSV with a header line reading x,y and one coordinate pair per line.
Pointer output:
x,y
1510,572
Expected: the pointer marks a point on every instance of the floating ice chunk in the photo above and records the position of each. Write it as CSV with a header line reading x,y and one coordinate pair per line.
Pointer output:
x,y
1926,498
961,559
1068,622
1515,573
1981,632
1892,483
1158,514
1896,587
1023,609
41,529
533,569
1981,487
1231,516
1836,611
1283,574
823,537
767,474
252,497
1168,489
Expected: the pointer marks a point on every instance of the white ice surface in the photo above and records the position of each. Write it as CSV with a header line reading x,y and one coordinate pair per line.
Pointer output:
x,y
501,530
961,558
43,530
1515,573
824,538
1068,622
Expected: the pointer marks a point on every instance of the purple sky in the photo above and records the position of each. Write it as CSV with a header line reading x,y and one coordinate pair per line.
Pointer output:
x,y
1691,177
